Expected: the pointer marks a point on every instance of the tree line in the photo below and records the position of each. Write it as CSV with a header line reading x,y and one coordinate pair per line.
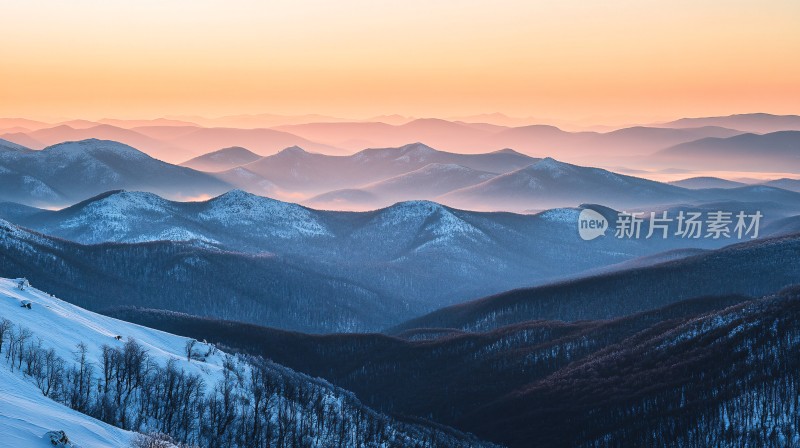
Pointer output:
x,y
251,402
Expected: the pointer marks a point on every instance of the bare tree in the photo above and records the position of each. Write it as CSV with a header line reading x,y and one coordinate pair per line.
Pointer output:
x,y
5,328
153,440
190,349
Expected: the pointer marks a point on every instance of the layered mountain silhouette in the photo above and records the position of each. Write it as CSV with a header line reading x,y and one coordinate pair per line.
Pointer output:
x,y
66,172
376,252
786,184
171,143
549,182
532,139
430,181
179,140
558,383
759,123
712,380
456,294
752,268
773,152
370,179
222,160
354,136
295,169
696,183
194,278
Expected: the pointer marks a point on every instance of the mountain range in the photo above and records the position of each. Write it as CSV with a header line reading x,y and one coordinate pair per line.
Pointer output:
x,y
171,142
222,159
373,178
516,382
563,365
360,262
773,152
401,295
431,180
759,123
549,182
177,140
502,180
73,171
700,182
294,169
753,268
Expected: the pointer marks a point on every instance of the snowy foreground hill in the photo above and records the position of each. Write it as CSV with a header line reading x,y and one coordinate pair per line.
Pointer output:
x,y
101,380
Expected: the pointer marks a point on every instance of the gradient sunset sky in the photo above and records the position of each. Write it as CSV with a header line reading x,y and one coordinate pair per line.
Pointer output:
x,y
614,60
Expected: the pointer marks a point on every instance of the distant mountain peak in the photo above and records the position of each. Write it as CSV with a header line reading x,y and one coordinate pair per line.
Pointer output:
x,y
421,203
294,150
222,159
542,127
417,147
231,150
507,151
550,165
442,167
429,120
236,195
117,203
241,197
560,215
94,145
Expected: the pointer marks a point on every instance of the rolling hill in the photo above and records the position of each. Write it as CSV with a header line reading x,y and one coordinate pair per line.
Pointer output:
x,y
696,183
73,171
550,183
295,169
430,181
757,123
773,152
692,364
753,268
222,160
373,269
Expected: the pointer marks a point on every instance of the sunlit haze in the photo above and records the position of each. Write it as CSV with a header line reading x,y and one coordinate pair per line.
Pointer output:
x,y
617,61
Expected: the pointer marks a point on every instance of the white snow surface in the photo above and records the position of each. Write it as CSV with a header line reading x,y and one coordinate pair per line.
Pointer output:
x,y
26,415
62,326
238,207
560,215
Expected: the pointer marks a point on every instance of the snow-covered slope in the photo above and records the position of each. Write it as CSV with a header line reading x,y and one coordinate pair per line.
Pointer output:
x,y
137,378
64,326
26,416
134,217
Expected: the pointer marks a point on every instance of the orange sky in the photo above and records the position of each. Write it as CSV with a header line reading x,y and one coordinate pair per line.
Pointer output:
x,y
609,61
